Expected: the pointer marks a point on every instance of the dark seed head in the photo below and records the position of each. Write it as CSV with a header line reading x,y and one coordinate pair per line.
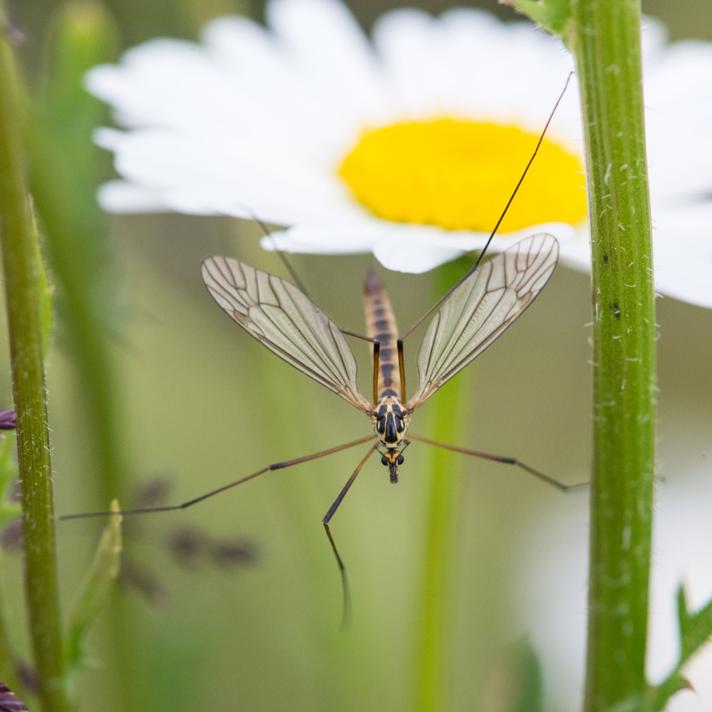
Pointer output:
x,y
234,553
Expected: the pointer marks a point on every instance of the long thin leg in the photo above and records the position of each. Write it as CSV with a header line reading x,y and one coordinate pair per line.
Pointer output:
x,y
401,369
502,459
357,336
376,366
212,493
346,606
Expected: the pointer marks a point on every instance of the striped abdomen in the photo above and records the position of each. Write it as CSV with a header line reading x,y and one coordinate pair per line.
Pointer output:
x,y
381,325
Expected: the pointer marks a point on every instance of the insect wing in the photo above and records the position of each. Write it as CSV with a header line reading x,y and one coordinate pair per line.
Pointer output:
x,y
481,308
280,316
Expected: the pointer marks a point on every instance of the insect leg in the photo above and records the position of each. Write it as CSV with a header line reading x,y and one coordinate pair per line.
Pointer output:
x,y
505,460
401,369
189,503
376,365
346,606
357,336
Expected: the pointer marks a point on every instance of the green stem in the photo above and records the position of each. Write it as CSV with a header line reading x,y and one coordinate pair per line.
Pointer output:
x,y
22,279
434,623
604,36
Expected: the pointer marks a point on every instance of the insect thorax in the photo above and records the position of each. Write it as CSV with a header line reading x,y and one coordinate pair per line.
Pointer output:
x,y
390,421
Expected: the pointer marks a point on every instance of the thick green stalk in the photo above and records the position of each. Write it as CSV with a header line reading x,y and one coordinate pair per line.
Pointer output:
x,y
433,624
21,269
604,36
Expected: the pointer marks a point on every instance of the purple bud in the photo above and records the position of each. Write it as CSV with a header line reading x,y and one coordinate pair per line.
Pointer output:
x,y
11,538
8,701
8,419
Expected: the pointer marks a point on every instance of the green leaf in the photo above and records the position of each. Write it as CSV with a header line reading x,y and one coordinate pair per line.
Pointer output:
x,y
94,590
552,15
515,682
695,629
530,689
8,472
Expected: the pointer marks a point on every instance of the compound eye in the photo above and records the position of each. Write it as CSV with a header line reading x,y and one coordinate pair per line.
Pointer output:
x,y
384,460
401,459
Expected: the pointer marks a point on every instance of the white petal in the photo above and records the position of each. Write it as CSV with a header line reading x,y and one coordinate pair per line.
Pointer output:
x,y
118,196
108,138
405,253
267,83
683,254
679,113
161,83
654,38
226,174
326,44
319,239
466,240
576,253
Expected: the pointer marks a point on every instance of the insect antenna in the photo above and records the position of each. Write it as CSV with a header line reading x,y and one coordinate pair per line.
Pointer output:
x,y
282,256
501,217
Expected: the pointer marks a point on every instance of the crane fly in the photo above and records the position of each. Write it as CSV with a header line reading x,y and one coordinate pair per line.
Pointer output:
x,y
473,316
468,319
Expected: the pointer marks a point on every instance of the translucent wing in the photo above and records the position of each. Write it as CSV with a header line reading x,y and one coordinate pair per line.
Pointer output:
x,y
276,313
481,308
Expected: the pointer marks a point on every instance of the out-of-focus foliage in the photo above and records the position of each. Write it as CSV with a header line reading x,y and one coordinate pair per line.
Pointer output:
x,y
9,510
66,166
93,593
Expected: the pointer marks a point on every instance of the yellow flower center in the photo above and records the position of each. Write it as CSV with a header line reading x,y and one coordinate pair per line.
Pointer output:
x,y
458,174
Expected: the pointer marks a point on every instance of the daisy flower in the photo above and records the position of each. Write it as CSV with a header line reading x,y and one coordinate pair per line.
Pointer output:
x,y
406,145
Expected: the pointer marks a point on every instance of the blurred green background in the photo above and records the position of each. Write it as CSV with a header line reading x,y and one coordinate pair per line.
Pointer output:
x,y
200,403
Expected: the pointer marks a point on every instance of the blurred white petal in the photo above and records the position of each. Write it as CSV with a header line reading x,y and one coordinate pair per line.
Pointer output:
x,y
118,196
